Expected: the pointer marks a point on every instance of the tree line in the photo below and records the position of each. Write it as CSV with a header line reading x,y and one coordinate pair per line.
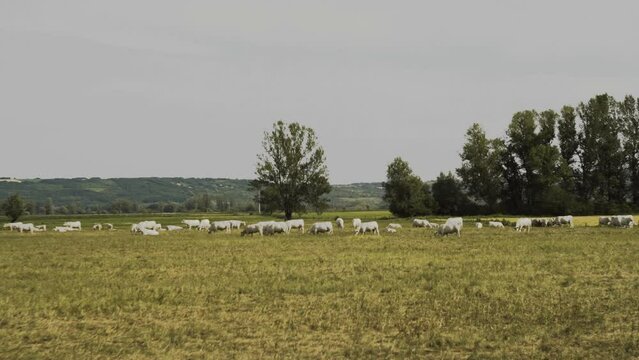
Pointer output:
x,y
578,160
203,202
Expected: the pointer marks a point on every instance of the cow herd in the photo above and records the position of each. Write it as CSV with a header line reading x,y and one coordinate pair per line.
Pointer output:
x,y
452,225
261,228
31,228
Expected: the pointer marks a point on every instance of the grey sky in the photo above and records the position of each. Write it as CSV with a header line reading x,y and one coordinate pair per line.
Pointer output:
x,y
187,88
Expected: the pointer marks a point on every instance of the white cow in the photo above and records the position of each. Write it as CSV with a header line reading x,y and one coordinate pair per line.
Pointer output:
x,y
523,223
496,224
370,226
276,228
220,225
205,224
109,226
264,223
62,229
421,223
150,232
73,224
394,226
147,224
340,223
97,227
237,224
27,227
451,226
391,230
356,223
191,223
567,219
296,224
12,226
252,229
135,228
447,229
622,221
174,228
321,227
479,225
41,228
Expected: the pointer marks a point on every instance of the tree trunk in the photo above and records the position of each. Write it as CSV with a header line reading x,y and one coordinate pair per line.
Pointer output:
x,y
288,214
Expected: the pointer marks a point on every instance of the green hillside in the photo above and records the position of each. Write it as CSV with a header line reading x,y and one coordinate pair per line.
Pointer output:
x,y
97,194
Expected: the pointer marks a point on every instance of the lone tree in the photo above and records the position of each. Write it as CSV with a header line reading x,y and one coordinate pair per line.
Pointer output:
x,y
13,207
291,173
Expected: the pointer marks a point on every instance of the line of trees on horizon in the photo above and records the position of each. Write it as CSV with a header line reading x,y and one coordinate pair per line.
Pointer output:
x,y
197,203
581,160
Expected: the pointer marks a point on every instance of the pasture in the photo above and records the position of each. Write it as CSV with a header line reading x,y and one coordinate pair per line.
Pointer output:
x,y
552,293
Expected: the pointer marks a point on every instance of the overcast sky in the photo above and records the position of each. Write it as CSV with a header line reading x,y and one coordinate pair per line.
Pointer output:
x,y
187,88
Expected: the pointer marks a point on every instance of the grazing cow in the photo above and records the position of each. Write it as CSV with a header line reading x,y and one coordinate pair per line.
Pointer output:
x,y
448,229
174,228
252,229
41,228
62,229
605,220
622,221
421,223
276,228
220,225
296,224
191,223
237,224
73,224
451,226
523,223
321,227
496,224
150,232
370,226
27,227
567,219
479,225
205,224
136,228
394,226
340,223
12,226
357,222
391,230
97,227
147,224
109,226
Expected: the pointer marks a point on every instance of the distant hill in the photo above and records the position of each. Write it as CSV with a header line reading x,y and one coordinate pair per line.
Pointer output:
x,y
98,193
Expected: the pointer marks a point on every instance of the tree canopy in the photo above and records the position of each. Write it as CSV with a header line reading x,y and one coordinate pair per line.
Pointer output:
x,y
291,173
582,160
13,207
405,192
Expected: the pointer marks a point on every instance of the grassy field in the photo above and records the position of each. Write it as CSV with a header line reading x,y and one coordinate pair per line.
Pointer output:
x,y
553,293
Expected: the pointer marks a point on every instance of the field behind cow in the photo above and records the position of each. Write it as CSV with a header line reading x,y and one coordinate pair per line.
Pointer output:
x,y
556,292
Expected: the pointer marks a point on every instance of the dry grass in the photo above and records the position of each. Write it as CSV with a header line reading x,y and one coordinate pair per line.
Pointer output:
x,y
553,293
